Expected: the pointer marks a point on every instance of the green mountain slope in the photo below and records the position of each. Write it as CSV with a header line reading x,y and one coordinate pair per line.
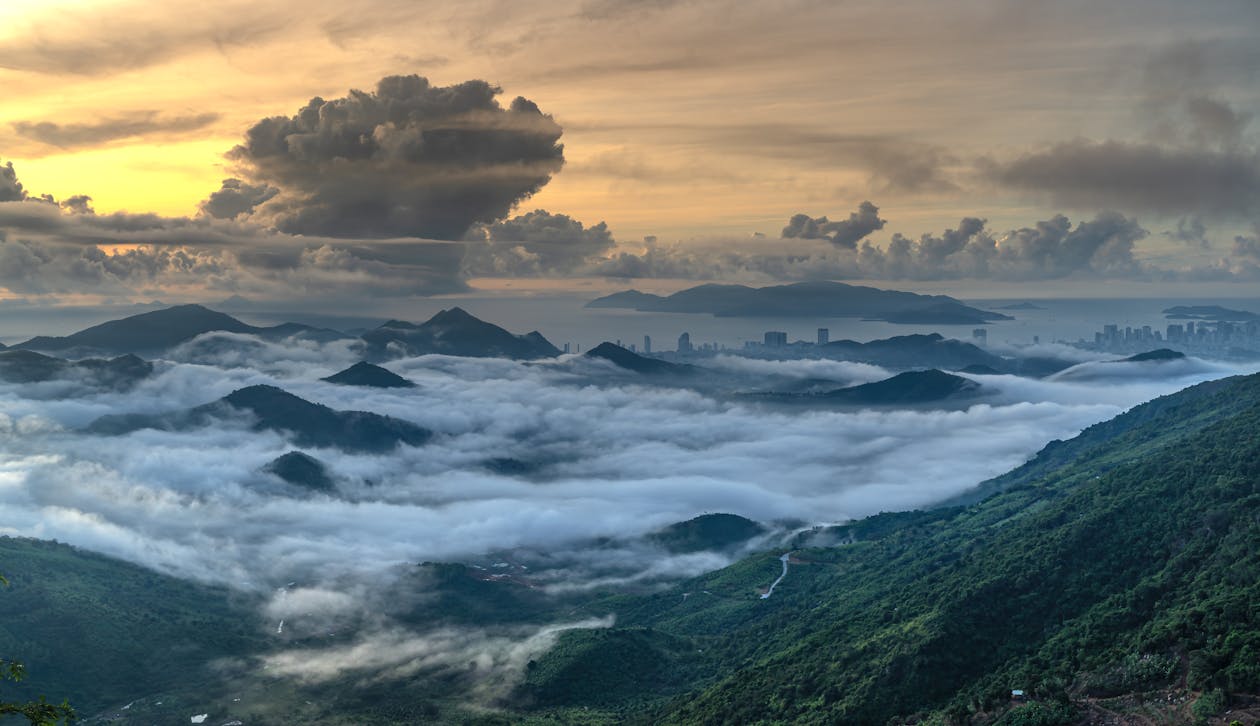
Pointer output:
x,y
1130,565
99,631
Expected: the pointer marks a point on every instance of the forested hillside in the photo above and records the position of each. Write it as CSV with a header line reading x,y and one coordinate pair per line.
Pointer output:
x,y
1132,566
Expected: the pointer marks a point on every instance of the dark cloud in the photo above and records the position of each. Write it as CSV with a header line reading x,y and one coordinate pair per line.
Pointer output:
x,y
1051,249
1140,176
1190,231
10,188
135,35
235,198
142,123
407,160
844,233
535,243
1193,157
48,248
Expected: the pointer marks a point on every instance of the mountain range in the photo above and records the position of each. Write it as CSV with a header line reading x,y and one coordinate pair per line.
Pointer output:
x,y
1110,579
805,299
271,408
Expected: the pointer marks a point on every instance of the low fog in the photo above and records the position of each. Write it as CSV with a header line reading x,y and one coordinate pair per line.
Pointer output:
x,y
611,459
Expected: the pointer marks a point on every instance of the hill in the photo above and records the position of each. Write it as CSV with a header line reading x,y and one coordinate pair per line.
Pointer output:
x,y
1103,569
301,470
708,532
309,424
455,332
99,631
369,375
1161,354
805,299
159,330
909,389
121,373
631,361
1208,312
915,351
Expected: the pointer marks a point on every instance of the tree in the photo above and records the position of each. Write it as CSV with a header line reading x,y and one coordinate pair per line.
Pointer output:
x,y
37,713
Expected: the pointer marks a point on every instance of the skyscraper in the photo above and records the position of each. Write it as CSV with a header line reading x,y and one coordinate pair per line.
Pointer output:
x,y
824,336
684,343
647,344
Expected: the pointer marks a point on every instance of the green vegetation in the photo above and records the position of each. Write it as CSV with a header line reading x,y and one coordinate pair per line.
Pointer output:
x,y
1122,561
97,631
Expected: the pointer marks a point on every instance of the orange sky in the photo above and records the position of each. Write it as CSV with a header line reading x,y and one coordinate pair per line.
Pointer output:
x,y
682,119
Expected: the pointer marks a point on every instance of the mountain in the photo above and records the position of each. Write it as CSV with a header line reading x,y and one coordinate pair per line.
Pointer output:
x,y
1113,583
121,373
302,470
1022,306
1208,312
914,351
369,375
805,299
906,390
310,424
1162,354
631,361
99,631
707,532
455,332
159,330
909,388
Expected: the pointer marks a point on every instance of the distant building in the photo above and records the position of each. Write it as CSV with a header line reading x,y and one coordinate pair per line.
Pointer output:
x,y
980,335
684,343
824,336
775,339
566,347
647,344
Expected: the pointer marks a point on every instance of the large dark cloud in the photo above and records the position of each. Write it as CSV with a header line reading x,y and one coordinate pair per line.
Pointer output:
x,y
235,198
1192,157
534,243
1100,248
10,188
843,233
142,123
407,160
1143,176
48,248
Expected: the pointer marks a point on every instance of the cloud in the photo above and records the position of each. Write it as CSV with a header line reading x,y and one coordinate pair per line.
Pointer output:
x,y
1191,231
1194,157
236,198
131,35
844,233
535,243
49,248
407,160
1051,249
10,188
1140,176
140,123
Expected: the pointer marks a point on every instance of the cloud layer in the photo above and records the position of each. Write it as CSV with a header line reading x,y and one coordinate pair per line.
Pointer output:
x,y
407,160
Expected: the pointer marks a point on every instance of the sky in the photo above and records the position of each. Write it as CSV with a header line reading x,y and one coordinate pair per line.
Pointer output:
x,y
175,150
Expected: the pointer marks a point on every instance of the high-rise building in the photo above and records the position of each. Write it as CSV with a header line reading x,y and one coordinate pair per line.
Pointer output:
x,y
566,348
647,344
980,335
684,343
824,336
775,339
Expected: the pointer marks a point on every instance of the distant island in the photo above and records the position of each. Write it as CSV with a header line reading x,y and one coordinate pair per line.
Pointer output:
x,y
805,299
1207,312
1022,306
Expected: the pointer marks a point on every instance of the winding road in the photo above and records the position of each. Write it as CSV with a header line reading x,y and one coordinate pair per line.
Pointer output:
x,y
784,559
